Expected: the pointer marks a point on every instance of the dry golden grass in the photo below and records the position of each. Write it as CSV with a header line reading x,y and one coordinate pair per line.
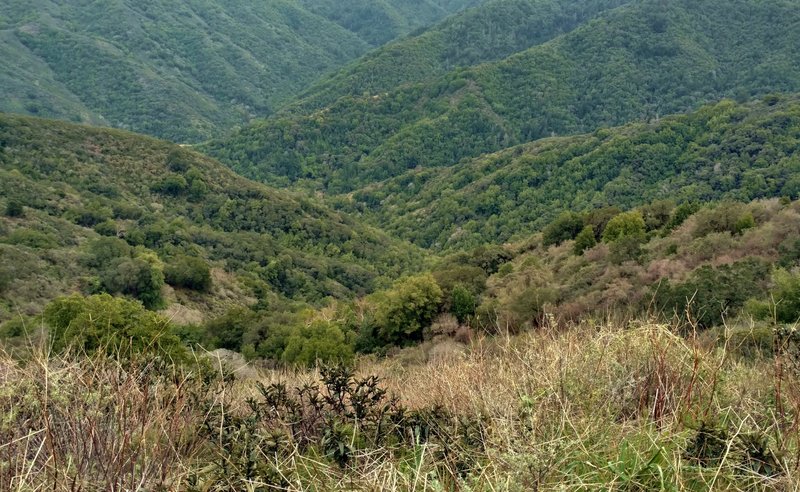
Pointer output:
x,y
589,408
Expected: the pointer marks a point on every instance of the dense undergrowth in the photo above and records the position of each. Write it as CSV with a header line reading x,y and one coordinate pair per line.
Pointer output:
x,y
594,407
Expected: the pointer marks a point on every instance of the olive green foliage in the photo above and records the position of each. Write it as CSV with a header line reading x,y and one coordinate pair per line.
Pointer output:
x,y
628,224
785,297
712,295
402,312
528,306
185,71
726,217
116,326
228,331
462,303
136,277
319,341
584,240
79,182
172,185
189,272
669,272
123,270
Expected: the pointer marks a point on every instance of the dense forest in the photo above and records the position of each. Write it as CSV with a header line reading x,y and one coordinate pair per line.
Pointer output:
x,y
722,151
77,219
636,62
503,245
185,71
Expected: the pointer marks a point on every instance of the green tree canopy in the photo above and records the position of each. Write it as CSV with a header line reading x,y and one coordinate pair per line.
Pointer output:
x,y
102,323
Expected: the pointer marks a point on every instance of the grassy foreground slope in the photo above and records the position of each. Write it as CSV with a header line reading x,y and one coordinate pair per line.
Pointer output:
x,y
79,202
184,71
722,151
597,407
638,61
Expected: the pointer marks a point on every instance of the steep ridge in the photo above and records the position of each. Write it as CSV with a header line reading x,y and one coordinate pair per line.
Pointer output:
x,y
492,32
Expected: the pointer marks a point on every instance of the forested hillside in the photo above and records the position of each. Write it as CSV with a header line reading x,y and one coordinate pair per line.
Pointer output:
x,y
635,62
722,151
494,31
380,21
93,210
184,71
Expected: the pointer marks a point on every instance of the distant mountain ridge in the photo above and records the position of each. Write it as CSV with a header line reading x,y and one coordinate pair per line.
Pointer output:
x,y
189,70
638,61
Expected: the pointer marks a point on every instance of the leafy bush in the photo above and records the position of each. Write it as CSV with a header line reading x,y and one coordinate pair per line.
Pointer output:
x,y
627,224
174,185
462,303
319,341
584,240
724,217
89,216
106,228
528,306
189,272
32,239
104,323
402,312
101,252
785,294
136,277
228,331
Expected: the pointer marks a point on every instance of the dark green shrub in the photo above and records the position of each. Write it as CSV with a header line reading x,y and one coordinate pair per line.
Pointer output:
x,y
680,214
189,272
489,258
14,209
101,252
599,218
528,306
712,294
174,185
179,160
462,303
106,228
627,248
565,227
135,277
228,331
725,217
402,312
585,240
89,216
32,239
